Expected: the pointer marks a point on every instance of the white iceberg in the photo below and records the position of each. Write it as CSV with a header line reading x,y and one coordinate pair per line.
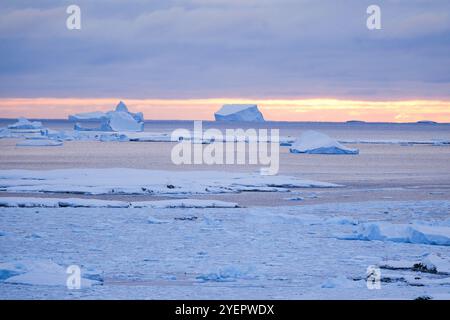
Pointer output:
x,y
313,142
23,123
239,112
118,120
122,121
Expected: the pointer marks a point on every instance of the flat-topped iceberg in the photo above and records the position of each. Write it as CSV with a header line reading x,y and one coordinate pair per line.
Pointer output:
x,y
314,142
25,124
118,120
239,112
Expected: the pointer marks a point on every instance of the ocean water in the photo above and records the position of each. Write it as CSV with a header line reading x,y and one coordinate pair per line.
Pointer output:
x,y
384,131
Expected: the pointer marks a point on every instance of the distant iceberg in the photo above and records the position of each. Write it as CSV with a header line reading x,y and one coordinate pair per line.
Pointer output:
x,y
25,124
426,122
314,142
239,112
118,120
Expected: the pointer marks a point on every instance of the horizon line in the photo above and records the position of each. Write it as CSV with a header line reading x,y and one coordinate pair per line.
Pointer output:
x,y
289,110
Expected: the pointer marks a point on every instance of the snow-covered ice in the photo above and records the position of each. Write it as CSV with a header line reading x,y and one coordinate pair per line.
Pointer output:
x,y
239,112
136,181
27,202
37,273
407,233
39,143
432,263
258,253
314,142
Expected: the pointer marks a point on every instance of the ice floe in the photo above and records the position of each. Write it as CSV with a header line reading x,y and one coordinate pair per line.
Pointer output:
x,y
314,142
431,263
27,202
137,181
416,233
239,112
40,272
340,282
228,274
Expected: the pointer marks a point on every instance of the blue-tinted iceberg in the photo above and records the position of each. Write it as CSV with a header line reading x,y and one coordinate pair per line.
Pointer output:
x,y
314,142
25,124
118,120
239,112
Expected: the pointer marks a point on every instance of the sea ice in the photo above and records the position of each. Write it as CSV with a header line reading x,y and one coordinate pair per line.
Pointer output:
x,y
137,181
314,142
38,272
39,143
407,233
228,274
26,202
239,112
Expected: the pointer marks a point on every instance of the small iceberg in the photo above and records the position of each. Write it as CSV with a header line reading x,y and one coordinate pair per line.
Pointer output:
x,y
118,120
426,122
239,112
25,124
313,142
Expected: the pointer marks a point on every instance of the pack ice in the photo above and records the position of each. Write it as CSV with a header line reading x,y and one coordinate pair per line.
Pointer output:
x,y
118,120
239,112
314,142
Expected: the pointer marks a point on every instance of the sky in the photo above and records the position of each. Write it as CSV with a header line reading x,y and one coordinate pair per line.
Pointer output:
x,y
303,60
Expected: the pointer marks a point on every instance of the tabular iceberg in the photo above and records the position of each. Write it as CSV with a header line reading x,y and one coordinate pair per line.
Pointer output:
x,y
118,120
239,112
314,142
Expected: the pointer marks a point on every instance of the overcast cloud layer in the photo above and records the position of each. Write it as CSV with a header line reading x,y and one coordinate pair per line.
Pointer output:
x,y
225,48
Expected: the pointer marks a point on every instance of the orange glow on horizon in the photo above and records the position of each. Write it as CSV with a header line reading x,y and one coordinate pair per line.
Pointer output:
x,y
203,109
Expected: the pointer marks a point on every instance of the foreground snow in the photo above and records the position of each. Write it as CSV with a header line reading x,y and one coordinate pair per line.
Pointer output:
x,y
246,253
135,181
314,142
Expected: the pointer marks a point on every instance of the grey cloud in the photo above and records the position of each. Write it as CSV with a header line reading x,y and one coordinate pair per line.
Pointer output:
x,y
200,48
